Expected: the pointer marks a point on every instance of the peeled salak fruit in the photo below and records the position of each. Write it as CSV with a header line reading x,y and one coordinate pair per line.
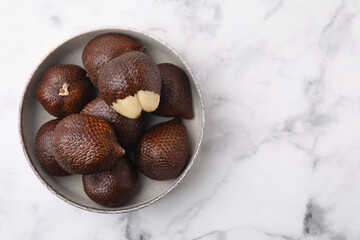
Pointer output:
x,y
130,84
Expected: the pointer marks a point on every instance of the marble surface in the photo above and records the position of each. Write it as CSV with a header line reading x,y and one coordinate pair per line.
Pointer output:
x,y
281,154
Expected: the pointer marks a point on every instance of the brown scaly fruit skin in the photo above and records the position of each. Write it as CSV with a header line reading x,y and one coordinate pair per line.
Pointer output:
x,y
103,48
127,130
59,100
162,151
125,75
176,99
43,149
114,186
84,144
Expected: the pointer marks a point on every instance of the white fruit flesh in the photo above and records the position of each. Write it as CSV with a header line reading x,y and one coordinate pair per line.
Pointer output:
x,y
149,101
64,90
129,107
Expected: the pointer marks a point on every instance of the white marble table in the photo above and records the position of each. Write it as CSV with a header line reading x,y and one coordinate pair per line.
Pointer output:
x,y
281,82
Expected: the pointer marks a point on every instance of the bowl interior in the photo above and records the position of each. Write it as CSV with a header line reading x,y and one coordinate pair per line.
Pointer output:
x,y
32,116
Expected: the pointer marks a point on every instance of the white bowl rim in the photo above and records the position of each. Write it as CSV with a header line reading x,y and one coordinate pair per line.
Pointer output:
x,y
178,180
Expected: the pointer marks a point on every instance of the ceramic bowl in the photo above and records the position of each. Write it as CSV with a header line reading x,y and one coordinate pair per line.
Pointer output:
x,y
32,115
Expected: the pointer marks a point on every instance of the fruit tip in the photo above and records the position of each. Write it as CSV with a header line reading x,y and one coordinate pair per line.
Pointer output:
x,y
119,150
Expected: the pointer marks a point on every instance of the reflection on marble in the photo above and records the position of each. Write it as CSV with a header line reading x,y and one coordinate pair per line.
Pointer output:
x,y
281,157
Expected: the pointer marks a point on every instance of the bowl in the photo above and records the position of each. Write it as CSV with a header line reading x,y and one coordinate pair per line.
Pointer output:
x,y
32,115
